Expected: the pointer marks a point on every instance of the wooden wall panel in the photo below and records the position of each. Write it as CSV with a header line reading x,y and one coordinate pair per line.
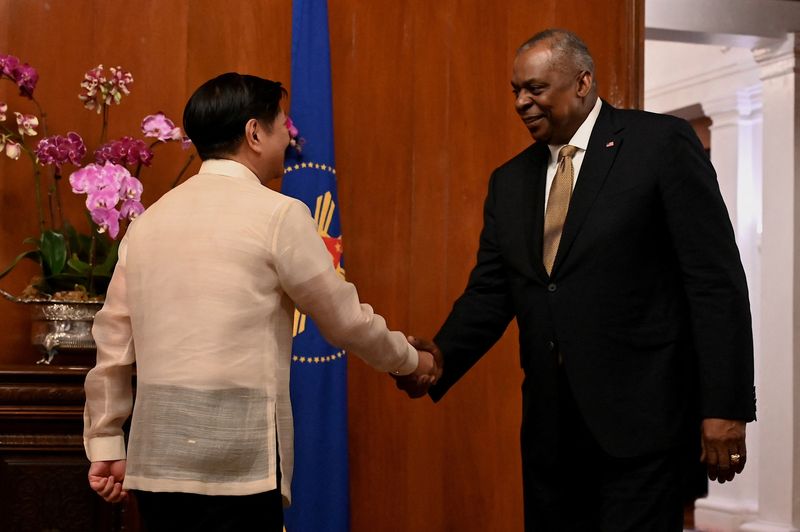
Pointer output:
x,y
423,112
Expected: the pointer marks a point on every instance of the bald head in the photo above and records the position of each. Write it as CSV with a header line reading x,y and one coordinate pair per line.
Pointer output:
x,y
569,53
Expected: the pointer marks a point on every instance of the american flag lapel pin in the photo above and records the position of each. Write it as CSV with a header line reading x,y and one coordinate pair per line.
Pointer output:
x,y
610,144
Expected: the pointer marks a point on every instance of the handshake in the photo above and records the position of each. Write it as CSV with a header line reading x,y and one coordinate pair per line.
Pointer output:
x,y
429,369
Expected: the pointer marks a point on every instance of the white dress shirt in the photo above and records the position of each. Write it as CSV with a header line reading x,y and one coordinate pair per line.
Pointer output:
x,y
203,299
581,141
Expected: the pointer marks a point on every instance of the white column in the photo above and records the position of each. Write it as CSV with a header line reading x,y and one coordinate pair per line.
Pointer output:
x,y
736,155
778,379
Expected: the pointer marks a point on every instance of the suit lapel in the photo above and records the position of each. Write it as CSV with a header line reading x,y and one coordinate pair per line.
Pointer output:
x,y
604,144
521,208
532,205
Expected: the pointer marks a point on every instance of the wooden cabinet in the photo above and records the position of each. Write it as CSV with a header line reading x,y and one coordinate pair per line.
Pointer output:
x,y
43,484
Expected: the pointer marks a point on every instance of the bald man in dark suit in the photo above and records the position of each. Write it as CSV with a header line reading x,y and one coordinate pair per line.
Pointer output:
x,y
609,242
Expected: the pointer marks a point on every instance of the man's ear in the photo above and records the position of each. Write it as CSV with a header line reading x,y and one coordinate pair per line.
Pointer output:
x,y
584,83
251,133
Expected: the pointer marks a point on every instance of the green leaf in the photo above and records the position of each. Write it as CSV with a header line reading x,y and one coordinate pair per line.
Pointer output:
x,y
84,245
102,245
30,254
107,267
71,234
53,248
77,264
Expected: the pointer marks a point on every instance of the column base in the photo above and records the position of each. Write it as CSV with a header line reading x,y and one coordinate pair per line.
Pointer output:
x,y
763,526
722,515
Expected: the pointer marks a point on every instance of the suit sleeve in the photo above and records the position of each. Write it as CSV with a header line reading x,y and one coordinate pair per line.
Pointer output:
x,y
712,275
482,313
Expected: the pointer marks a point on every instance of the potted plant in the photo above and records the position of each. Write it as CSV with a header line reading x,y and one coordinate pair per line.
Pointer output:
x,y
75,266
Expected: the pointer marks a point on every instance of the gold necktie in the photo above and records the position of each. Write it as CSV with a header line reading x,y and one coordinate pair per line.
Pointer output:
x,y
557,205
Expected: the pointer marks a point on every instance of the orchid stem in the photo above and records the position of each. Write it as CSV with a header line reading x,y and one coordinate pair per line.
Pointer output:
x,y
38,190
105,125
42,115
183,170
92,248
59,210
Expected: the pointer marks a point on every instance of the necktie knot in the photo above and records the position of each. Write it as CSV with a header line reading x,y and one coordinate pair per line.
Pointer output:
x,y
567,151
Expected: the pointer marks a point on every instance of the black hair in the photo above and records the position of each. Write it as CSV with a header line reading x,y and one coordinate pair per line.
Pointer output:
x,y
216,114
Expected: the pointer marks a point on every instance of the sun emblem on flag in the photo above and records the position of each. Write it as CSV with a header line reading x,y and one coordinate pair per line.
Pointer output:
x,y
323,216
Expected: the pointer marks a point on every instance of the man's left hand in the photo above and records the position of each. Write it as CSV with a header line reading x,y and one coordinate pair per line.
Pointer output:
x,y
724,449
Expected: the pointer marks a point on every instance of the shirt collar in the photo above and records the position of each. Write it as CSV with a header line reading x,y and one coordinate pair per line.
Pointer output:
x,y
581,137
228,167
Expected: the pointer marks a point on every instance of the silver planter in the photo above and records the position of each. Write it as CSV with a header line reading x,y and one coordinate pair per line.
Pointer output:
x,y
60,325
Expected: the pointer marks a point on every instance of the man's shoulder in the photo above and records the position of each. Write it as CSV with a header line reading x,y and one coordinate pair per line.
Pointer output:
x,y
208,192
523,161
645,121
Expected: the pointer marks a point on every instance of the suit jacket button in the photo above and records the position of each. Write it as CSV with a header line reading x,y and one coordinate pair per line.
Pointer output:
x,y
552,287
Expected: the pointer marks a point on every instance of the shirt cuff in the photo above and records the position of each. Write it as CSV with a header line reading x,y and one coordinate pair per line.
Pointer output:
x,y
411,363
105,448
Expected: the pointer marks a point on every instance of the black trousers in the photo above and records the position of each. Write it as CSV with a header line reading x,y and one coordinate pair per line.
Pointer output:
x,y
176,512
583,489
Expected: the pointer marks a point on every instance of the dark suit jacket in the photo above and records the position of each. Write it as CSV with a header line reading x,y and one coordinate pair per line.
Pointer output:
x,y
647,302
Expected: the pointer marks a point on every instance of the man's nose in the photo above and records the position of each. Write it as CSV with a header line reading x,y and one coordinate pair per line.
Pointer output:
x,y
523,101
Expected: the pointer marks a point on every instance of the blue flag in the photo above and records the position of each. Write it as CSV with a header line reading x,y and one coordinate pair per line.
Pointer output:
x,y
320,489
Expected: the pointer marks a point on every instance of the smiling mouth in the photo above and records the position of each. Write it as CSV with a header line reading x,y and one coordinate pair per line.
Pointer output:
x,y
532,120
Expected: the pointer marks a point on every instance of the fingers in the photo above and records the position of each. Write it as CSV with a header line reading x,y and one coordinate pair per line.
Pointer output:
x,y
429,369
102,481
712,463
426,367
738,458
427,372
97,483
107,488
117,493
421,344
724,449
411,385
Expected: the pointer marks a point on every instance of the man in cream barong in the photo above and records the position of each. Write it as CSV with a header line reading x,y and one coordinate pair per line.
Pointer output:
x,y
202,300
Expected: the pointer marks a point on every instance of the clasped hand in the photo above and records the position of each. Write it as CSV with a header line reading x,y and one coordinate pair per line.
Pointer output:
x,y
106,479
428,372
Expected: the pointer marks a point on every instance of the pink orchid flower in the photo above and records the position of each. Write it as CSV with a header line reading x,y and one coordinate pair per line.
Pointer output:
x,y
293,132
126,150
114,175
27,124
107,220
131,188
3,110
102,198
98,91
160,127
58,150
131,209
13,149
86,179
94,177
